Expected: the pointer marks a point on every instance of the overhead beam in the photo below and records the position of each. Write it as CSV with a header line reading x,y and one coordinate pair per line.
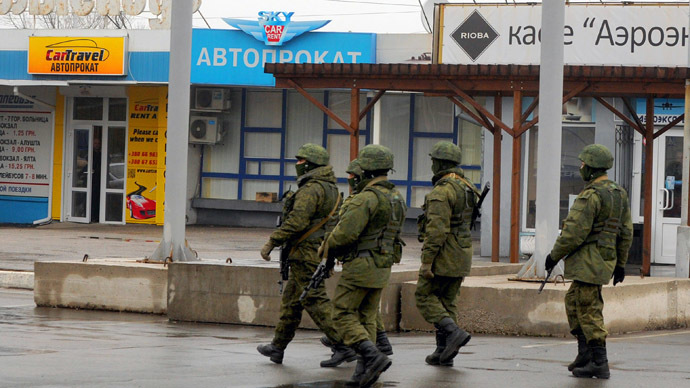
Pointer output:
x,y
371,104
480,108
669,125
579,89
621,116
322,107
469,111
530,109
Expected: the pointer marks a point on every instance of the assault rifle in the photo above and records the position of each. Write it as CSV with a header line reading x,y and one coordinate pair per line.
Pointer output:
x,y
543,282
476,210
321,273
284,265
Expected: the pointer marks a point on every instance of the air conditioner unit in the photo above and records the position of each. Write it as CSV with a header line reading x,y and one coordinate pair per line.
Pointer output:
x,y
212,99
205,130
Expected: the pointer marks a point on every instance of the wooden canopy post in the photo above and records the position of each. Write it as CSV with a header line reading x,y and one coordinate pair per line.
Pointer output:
x,y
496,213
648,185
354,123
515,183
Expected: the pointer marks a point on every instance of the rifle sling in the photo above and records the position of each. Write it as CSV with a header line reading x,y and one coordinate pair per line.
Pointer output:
x,y
316,227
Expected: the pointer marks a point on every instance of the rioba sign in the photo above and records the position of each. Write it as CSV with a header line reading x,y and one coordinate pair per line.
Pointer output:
x,y
160,8
594,35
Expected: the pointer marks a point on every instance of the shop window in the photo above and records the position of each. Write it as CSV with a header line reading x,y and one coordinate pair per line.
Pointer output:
x,y
418,194
219,188
304,122
421,162
572,142
264,109
262,145
433,114
395,131
117,109
88,108
339,149
252,186
339,103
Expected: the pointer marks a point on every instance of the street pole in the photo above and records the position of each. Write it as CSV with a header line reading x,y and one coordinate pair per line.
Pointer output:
x,y
173,246
550,130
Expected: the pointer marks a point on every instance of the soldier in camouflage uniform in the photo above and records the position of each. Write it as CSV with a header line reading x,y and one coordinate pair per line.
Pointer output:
x,y
370,228
446,252
356,175
314,200
594,241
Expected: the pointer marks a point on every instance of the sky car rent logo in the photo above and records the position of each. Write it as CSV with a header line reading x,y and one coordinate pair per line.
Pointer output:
x,y
275,28
82,55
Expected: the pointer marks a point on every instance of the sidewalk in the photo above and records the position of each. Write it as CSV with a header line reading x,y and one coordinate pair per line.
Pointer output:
x,y
23,246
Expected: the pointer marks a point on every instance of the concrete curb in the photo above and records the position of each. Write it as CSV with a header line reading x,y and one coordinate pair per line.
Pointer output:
x,y
17,279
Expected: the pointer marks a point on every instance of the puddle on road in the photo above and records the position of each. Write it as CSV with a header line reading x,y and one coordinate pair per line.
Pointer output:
x,y
333,384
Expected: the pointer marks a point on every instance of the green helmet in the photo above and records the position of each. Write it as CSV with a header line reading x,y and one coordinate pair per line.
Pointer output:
x,y
596,156
313,153
354,168
446,150
375,157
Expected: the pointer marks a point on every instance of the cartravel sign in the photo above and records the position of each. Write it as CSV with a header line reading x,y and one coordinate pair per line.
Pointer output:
x,y
231,57
77,55
629,35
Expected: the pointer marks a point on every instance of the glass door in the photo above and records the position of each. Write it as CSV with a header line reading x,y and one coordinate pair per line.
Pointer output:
x,y
668,196
115,141
78,199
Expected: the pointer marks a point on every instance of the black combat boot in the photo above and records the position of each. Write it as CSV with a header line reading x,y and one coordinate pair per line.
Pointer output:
x,y
375,363
357,376
325,341
383,344
271,351
433,358
341,353
455,339
598,366
584,354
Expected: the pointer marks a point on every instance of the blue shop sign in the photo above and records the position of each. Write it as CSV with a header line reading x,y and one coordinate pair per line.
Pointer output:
x,y
666,110
232,57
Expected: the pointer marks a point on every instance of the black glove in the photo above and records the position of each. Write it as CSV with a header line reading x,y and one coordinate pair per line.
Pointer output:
x,y
550,263
618,275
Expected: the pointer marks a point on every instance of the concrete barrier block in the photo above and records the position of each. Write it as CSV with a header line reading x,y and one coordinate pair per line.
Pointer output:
x,y
208,292
118,285
17,279
494,305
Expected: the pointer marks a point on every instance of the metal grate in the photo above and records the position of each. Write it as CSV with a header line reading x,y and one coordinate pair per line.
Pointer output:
x,y
623,156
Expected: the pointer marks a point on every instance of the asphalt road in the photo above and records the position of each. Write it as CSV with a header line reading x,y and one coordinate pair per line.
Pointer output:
x,y
43,347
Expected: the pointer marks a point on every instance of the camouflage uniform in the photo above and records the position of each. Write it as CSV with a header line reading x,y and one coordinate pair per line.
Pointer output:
x,y
595,240
370,227
315,198
447,250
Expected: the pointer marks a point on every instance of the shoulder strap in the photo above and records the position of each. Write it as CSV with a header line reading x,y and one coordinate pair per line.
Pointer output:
x,y
320,224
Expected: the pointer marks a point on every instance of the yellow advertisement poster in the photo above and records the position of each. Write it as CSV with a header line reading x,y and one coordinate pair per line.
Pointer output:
x,y
144,161
77,55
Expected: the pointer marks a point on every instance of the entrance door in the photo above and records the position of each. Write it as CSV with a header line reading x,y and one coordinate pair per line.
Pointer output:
x,y
113,198
78,201
668,195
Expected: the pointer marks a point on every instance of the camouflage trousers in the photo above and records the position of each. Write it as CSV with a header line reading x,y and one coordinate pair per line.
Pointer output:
x,y
584,306
355,311
317,304
379,321
437,298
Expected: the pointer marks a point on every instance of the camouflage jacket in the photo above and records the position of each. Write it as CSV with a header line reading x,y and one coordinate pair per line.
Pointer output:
x,y
366,214
596,234
446,226
313,200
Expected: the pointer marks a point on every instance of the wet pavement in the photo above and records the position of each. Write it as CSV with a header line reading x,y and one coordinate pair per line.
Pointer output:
x,y
44,347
